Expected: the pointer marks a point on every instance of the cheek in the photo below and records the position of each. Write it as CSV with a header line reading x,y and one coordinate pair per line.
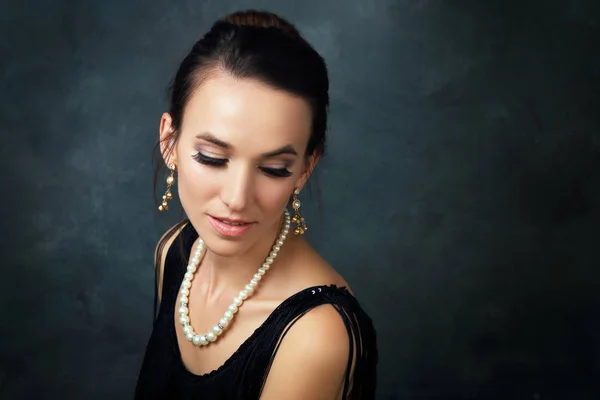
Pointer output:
x,y
273,195
196,183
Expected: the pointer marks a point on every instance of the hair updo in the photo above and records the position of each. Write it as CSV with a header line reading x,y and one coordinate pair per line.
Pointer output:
x,y
261,19
255,45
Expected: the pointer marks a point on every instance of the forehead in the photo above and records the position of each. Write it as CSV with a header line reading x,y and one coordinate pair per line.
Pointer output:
x,y
246,112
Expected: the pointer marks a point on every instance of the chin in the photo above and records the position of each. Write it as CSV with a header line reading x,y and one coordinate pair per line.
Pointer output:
x,y
225,246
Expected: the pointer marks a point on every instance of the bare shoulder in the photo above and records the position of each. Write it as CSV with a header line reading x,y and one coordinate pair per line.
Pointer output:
x,y
316,349
162,248
315,352
309,268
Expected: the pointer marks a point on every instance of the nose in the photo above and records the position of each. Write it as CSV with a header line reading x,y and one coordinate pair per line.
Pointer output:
x,y
237,189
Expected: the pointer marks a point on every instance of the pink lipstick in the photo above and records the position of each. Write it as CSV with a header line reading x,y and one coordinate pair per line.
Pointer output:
x,y
228,227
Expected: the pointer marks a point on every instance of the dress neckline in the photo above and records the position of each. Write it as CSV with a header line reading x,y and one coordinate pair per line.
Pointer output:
x,y
189,236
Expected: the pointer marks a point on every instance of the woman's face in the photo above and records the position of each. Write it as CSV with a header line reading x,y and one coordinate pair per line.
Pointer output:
x,y
239,156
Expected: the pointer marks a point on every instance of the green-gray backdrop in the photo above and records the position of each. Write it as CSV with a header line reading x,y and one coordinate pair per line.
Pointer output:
x,y
460,196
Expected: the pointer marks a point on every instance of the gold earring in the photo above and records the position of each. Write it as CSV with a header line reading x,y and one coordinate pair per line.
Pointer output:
x,y
168,195
297,217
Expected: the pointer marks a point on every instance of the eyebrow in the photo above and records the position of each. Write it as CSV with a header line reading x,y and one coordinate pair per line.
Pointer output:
x,y
209,137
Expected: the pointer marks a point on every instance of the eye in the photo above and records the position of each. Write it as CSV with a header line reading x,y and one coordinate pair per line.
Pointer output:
x,y
214,162
276,172
221,162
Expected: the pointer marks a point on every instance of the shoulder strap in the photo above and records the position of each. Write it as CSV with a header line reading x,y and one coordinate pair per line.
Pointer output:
x,y
362,334
158,259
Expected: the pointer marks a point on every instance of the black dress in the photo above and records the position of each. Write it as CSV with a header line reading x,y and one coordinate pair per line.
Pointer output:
x,y
164,376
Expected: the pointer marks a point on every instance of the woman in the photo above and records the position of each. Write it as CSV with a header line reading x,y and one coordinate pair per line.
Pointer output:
x,y
248,309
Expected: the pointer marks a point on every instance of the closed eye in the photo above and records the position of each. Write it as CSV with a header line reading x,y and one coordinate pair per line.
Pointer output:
x,y
215,162
221,162
276,172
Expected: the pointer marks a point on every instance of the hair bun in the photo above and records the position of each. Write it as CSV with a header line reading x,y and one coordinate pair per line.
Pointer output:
x,y
261,19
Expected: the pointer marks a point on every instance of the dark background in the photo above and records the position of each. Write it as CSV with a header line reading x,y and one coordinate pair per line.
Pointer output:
x,y
460,195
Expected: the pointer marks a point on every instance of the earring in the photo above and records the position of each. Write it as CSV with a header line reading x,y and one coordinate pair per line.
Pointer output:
x,y
297,217
168,195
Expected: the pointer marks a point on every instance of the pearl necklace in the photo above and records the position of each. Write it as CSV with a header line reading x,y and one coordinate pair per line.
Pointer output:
x,y
213,334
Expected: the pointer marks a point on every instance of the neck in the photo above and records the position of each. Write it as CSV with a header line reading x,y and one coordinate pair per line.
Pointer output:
x,y
226,276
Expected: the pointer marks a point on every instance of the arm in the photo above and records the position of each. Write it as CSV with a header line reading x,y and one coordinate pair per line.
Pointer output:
x,y
312,359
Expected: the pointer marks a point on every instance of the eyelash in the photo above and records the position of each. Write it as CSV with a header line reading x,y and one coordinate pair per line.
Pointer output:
x,y
221,162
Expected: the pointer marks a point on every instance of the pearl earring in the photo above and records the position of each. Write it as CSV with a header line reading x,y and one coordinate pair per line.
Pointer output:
x,y
168,195
297,217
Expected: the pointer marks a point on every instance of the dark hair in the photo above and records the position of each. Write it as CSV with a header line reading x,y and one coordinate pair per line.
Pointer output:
x,y
257,45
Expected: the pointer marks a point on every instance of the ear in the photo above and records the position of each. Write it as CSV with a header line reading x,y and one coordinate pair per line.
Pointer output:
x,y
308,169
167,140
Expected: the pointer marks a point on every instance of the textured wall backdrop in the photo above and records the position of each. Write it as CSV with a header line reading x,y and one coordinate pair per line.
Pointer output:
x,y
460,197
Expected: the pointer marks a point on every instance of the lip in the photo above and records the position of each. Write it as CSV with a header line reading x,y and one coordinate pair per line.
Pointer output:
x,y
229,230
233,221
